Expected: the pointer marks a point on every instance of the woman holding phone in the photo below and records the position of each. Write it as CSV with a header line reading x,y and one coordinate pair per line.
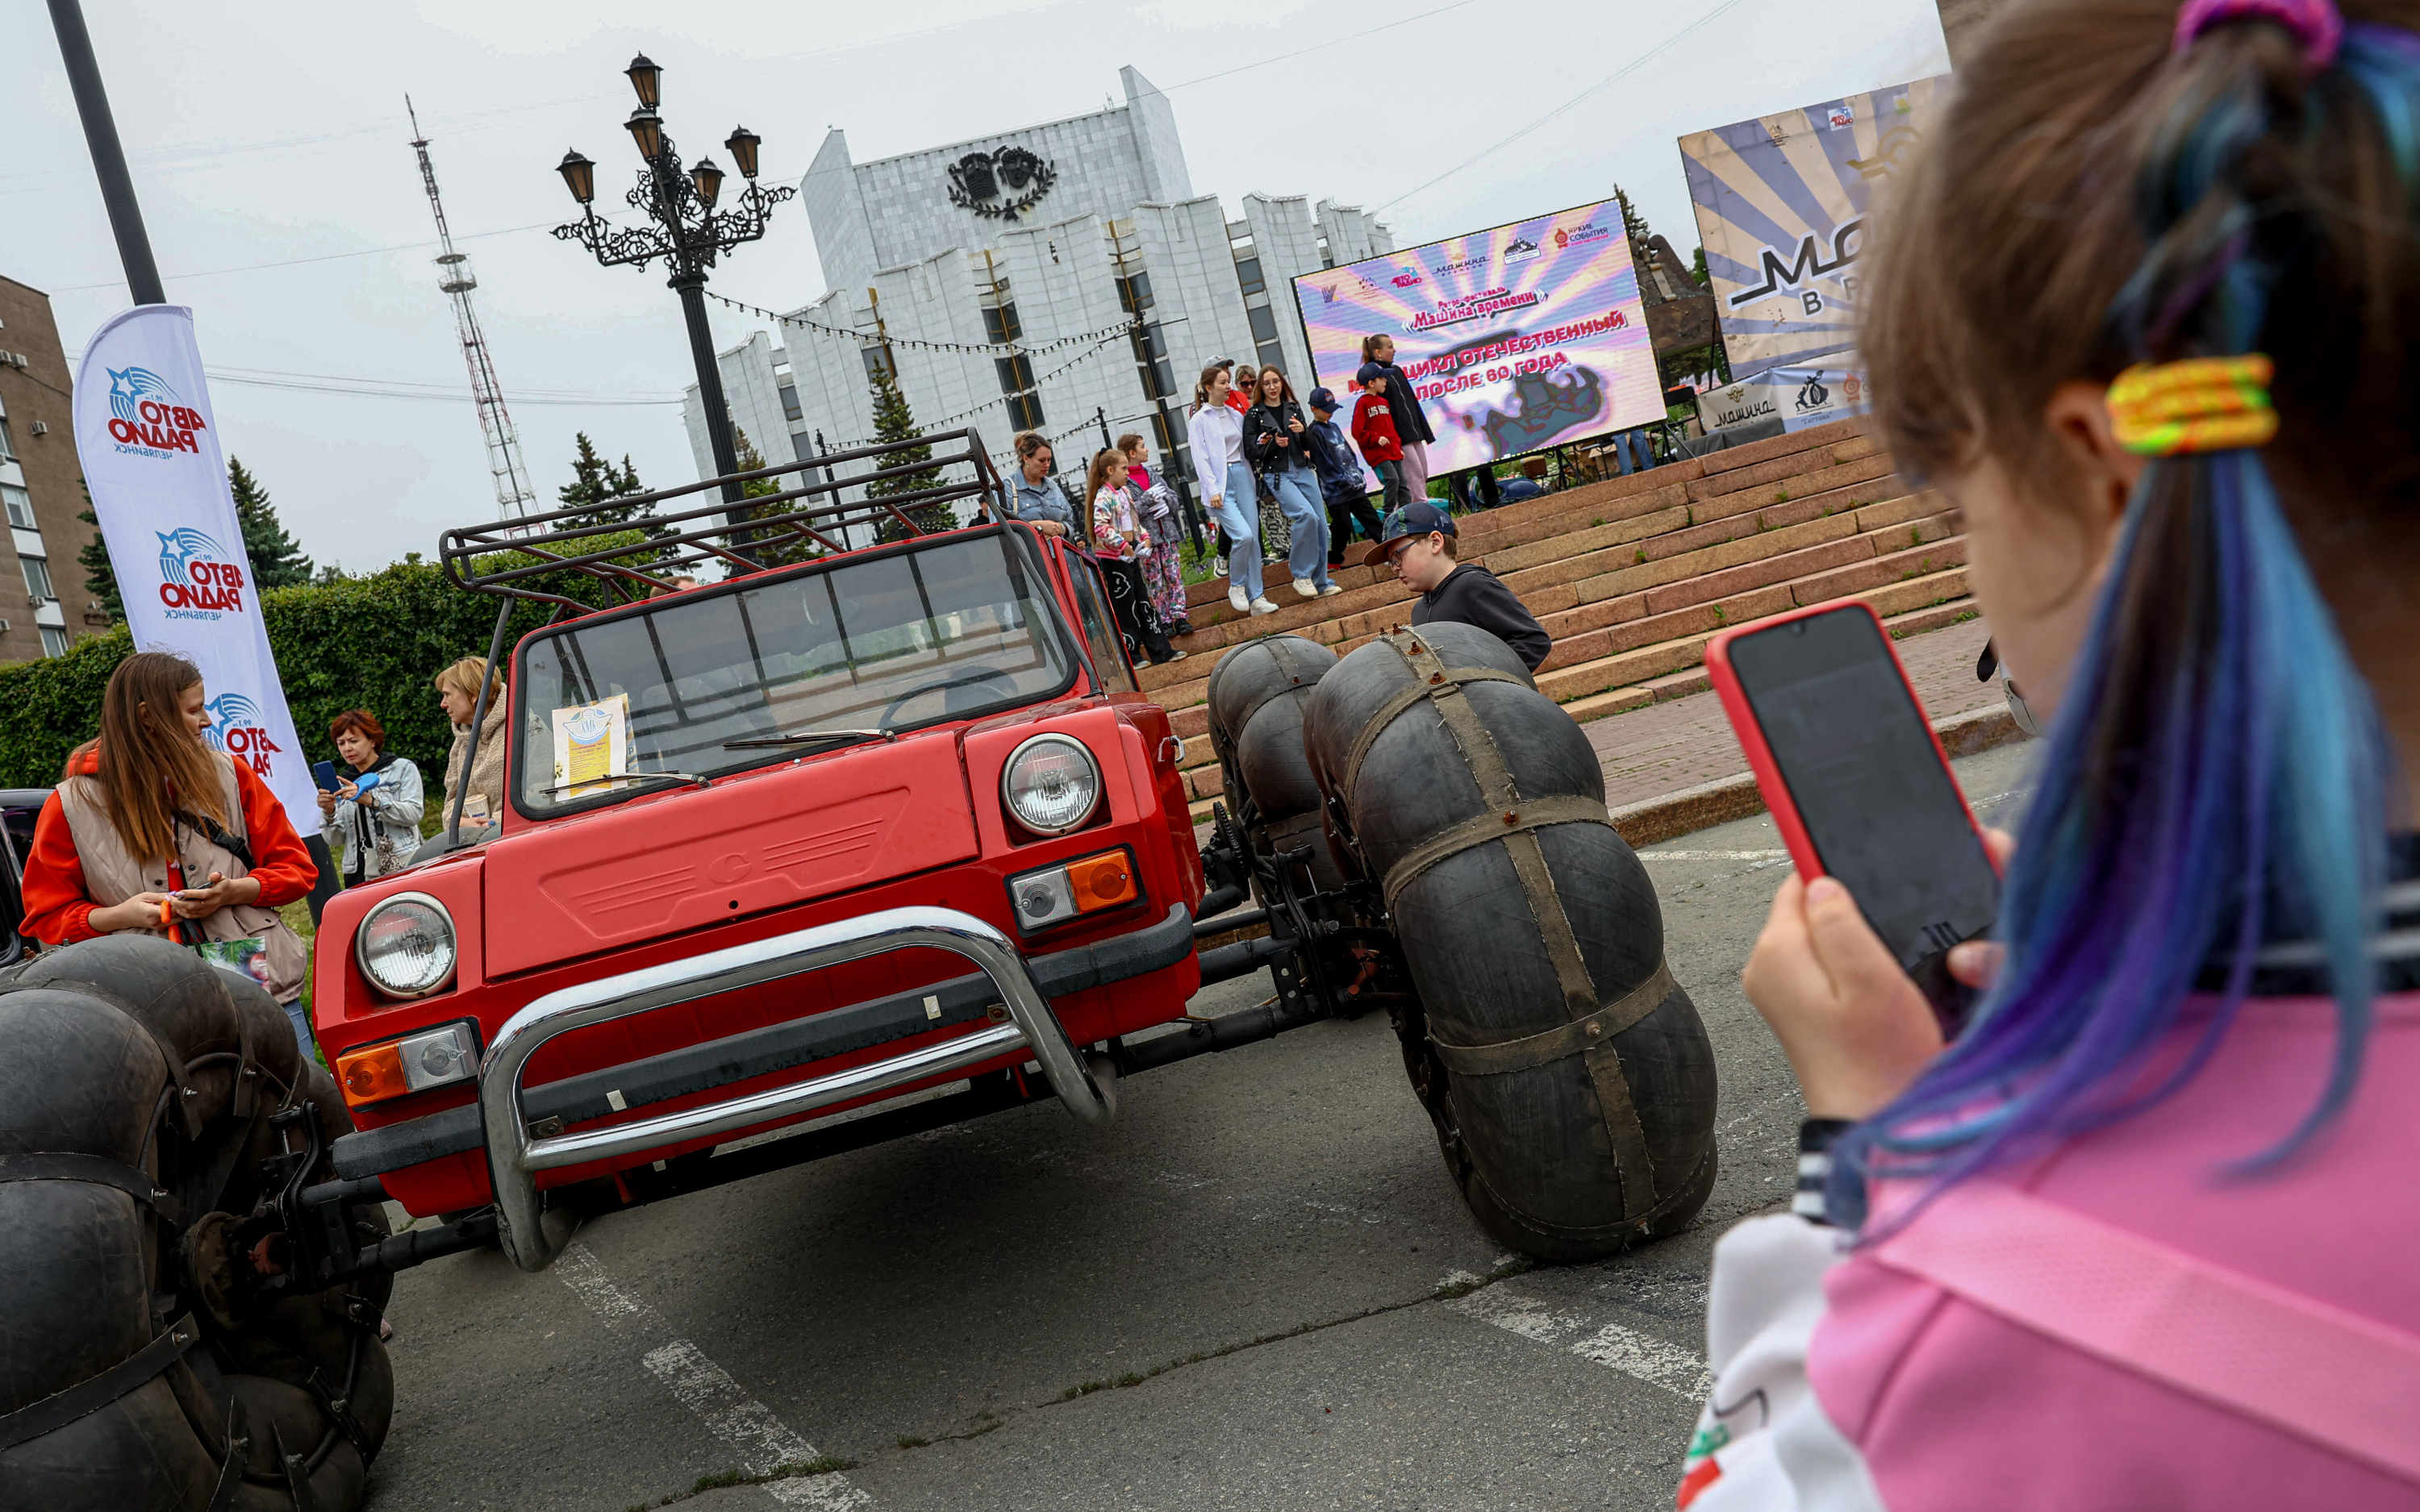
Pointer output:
x,y
377,811
1225,479
1277,438
2141,1233
153,831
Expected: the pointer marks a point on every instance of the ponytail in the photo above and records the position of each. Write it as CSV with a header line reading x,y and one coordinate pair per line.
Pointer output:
x,y
2218,773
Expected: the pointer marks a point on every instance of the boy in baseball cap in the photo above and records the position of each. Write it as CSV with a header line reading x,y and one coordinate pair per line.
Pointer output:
x,y
1419,543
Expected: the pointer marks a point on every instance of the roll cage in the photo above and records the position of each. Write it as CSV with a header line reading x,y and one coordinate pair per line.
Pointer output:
x,y
640,555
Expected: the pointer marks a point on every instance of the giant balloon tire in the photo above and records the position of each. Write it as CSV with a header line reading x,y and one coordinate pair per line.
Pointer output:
x,y
150,1358
1568,1077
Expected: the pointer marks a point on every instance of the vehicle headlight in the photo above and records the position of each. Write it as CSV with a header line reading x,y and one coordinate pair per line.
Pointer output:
x,y
1052,784
406,946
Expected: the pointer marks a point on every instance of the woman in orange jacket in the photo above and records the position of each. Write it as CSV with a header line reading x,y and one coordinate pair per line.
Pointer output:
x,y
151,830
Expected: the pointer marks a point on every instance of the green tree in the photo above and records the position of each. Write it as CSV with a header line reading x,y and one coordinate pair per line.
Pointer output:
x,y
595,487
894,421
100,576
278,560
596,483
1634,223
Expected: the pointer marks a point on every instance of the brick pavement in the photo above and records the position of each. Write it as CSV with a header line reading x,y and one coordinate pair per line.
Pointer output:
x,y
1666,746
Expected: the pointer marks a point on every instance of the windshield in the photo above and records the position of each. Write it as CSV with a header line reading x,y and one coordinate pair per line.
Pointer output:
x,y
946,631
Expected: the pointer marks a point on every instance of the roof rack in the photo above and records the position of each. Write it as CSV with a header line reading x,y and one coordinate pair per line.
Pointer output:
x,y
511,557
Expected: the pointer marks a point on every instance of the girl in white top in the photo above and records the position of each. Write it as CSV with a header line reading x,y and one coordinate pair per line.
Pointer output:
x,y
1217,432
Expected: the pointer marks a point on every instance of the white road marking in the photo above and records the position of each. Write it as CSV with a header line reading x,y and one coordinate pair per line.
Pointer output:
x,y
1615,1345
1516,1314
1650,1359
1712,855
745,1424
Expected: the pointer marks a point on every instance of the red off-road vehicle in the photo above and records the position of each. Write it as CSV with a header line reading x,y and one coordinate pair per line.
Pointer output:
x,y
856,841
845,825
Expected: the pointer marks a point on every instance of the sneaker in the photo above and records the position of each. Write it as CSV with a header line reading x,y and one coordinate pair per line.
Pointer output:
x,y
1236,597
1331,591
1306,588
1180,627
1173,655
1219,567
1261,606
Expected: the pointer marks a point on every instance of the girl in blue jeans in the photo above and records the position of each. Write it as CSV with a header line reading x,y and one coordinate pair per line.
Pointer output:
x,y
1217,433
1276,440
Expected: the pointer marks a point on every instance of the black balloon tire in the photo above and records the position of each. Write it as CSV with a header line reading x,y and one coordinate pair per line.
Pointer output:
x,y
131,1050
1537,1151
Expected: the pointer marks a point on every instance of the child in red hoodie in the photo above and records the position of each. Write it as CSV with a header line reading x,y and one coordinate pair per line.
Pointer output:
x,y
1374,431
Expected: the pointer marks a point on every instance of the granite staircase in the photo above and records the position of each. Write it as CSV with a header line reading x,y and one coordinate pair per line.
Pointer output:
x,y
1632,575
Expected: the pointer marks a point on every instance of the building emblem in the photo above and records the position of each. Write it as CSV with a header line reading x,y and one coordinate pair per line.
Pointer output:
x,y
999,184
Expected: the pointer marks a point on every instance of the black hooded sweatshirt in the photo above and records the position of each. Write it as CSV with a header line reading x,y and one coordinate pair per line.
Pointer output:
x,y
1471,595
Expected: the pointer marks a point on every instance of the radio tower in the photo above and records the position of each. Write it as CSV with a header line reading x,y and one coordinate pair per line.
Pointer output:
x,y
513,495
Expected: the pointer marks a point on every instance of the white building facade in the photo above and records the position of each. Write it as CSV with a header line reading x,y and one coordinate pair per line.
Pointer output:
x,y
997,248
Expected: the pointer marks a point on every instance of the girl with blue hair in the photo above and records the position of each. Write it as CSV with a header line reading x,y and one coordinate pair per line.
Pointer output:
x,y
2147,309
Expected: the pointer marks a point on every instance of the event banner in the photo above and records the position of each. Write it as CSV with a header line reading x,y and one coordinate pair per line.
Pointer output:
x,y
1792,397
1782,203
151,452
1516,338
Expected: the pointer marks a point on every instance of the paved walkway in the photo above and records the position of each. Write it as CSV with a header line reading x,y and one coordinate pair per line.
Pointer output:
x,y
1666,746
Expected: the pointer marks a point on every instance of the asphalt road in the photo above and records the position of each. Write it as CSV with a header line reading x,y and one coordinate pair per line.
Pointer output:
x,y
1259,1268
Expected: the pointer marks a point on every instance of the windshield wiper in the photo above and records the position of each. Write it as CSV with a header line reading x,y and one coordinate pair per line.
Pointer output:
x,y
690,778
807,737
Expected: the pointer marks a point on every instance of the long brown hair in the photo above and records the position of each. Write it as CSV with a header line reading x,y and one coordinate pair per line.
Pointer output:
x,y
1201,389
1108,464
1285,389
152,762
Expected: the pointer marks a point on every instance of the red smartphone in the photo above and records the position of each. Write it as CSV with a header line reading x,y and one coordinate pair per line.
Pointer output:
x,y
1858,783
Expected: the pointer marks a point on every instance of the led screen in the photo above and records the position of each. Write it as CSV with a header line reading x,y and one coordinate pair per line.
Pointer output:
x,y
1516,338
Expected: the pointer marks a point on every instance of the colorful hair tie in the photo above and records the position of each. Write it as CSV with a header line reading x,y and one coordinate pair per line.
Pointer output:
x,y
2317,22
2199,404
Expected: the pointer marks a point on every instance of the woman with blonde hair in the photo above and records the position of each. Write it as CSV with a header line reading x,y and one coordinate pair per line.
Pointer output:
x,y
152,830
458,691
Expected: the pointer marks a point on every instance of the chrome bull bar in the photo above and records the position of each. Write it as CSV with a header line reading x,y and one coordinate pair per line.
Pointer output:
x,y
533,1237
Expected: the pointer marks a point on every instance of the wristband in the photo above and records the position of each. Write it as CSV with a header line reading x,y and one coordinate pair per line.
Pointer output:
x,y
1815,1139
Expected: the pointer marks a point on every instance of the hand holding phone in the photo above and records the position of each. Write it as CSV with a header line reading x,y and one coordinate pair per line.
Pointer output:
x,y
1858,785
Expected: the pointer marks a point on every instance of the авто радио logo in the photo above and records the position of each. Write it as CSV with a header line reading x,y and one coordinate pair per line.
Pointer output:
x,y
236,729
197,581
145,417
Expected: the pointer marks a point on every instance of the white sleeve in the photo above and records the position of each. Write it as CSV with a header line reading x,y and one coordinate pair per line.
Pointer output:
x,y
1762,1443
1208,476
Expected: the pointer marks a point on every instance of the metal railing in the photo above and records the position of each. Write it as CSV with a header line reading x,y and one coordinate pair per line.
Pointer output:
x,y
641,553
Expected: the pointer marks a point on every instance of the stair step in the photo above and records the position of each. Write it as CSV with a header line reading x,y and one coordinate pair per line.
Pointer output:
x,y
1887,590
1725,573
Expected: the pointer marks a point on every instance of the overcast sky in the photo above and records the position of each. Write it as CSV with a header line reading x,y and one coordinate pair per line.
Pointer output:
x,y
273,134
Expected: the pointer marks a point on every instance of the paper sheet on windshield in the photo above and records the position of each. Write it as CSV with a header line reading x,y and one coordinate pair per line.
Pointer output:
x,y
590,740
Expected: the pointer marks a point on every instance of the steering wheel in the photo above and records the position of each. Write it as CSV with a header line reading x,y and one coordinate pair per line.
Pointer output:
x,y
979,675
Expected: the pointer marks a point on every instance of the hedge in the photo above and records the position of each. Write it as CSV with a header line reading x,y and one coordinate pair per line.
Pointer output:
x,y
372,642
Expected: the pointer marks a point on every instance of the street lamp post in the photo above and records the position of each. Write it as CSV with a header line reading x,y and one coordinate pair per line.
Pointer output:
x,y
684,228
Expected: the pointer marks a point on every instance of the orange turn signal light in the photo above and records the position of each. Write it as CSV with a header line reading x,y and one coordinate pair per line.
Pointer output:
x,y
372,1075
419,1061
1102,881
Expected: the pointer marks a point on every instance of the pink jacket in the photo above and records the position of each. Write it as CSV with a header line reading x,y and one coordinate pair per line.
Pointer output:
x,y
1856,1382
